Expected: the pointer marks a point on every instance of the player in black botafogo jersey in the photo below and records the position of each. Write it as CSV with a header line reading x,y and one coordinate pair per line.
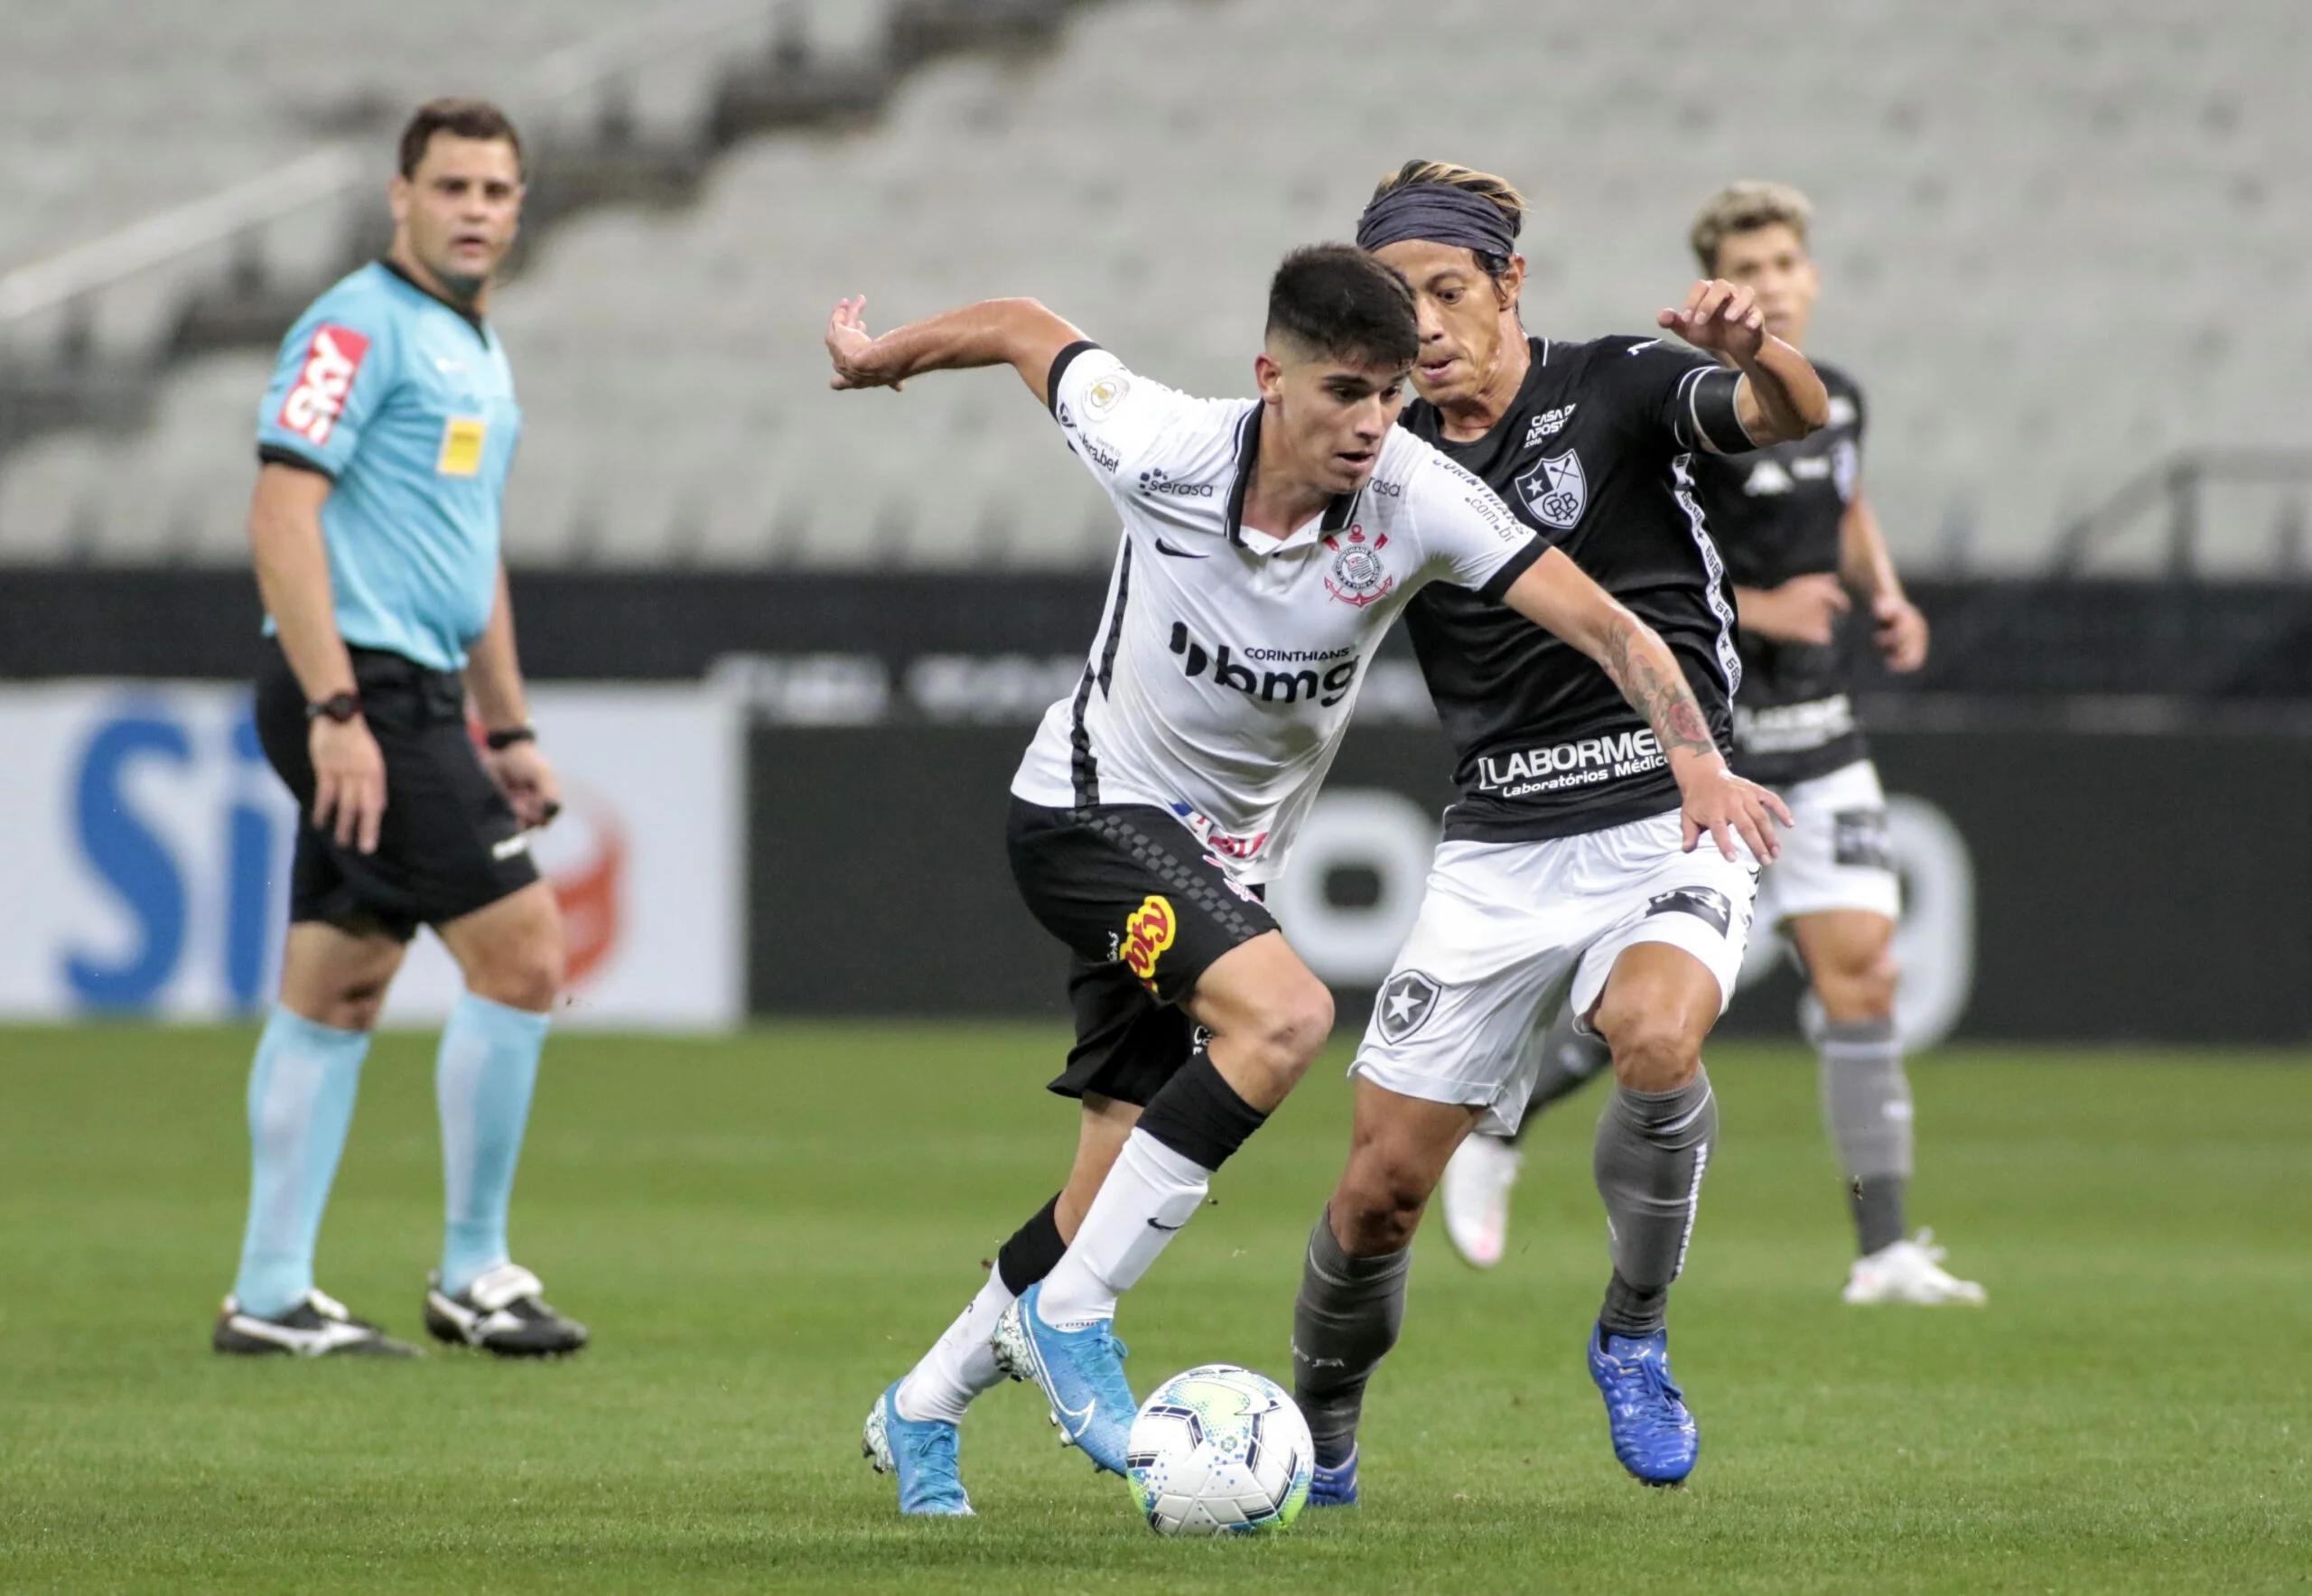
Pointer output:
x,y
1564,868
1798,537
1268,545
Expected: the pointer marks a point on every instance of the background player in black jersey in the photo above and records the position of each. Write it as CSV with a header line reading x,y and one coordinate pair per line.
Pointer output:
x,y
1800,543
1565,867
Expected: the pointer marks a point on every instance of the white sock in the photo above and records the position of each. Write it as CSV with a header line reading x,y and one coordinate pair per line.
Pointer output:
x,y
960,1363
1149,1193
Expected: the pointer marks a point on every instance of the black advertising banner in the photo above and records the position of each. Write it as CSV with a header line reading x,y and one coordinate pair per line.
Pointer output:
x,y
2057,885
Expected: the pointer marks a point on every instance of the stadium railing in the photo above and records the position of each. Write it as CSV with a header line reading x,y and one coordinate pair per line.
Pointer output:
x,y
2175,495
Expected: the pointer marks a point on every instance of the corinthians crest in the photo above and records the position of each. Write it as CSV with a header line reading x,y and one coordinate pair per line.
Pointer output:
x,y
1555,491
1360,575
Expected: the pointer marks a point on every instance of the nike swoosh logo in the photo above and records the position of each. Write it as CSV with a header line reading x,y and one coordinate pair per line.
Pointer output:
x,y
1152,1225
1636,347
1076,1420
1164,548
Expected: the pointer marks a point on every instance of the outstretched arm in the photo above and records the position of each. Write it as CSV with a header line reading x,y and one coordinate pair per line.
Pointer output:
x,y
1780,398
1553,592
1015,333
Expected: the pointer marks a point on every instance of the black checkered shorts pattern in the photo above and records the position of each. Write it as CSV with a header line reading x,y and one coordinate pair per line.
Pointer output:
x,y
1146,910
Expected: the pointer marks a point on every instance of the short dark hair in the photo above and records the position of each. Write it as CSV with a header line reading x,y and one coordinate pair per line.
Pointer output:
x,y
464,119
1336,301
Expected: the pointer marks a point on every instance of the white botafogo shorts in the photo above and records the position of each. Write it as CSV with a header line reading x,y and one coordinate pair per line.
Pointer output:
x,y
1506,931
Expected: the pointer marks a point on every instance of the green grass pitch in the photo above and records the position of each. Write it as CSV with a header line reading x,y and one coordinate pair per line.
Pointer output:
x,y
765,1230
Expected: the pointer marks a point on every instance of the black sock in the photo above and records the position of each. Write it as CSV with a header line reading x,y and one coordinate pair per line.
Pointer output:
x,y
1032,1250
1197,1115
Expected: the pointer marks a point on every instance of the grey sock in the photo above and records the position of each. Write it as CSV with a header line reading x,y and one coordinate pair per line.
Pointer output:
x,y
1652,1149
1877,1203
1570,1062
1344,1322
1866,1109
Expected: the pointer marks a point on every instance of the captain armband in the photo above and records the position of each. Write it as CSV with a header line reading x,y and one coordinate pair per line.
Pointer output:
x,y
1715,417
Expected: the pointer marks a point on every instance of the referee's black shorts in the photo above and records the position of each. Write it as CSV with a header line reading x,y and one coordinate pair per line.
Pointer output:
x,y
1146,910
449,843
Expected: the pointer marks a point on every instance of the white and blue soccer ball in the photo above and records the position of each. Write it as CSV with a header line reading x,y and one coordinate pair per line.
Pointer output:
x,y
1219,1450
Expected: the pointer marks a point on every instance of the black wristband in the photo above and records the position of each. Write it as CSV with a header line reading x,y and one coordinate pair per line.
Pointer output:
x,y
339,707
499,742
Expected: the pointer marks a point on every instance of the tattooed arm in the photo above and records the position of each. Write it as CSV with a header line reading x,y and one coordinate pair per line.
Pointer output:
x,y
1555,593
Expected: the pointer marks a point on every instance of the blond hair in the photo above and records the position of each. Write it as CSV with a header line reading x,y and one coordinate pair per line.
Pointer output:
x,y
1744,208
1484,184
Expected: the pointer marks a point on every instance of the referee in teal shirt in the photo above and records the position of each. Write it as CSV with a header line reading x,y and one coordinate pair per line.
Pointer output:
x,y
383,443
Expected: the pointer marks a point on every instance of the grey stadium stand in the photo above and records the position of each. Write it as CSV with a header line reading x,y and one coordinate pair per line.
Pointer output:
x,y
2060,243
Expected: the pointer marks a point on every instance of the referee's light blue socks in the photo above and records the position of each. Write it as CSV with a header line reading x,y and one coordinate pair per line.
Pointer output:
x,y
300,1102
482,1080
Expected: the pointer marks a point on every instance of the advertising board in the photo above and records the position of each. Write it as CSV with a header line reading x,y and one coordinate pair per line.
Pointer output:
x,y
2056,886
148,845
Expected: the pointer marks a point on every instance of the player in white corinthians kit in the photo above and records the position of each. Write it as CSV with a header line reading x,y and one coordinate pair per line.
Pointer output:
x,y
1797,532
1267,547
1566,868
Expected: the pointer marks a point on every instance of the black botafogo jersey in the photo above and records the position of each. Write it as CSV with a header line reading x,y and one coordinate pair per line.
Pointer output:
x,y
1778,514
1597,455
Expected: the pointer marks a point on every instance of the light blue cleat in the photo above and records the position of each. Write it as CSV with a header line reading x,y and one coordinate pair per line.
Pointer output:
x,y
1334,1487
1080,1373
922,1452
1654,1434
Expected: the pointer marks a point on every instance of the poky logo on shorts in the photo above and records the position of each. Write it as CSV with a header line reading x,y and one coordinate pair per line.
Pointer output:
x,y
1360,575
318,399
1147,932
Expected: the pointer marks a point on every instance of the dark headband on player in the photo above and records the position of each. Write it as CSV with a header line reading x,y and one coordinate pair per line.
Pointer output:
x,y
1438,213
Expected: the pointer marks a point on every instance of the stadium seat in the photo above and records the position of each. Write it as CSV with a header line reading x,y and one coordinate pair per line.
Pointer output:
x,y
2056,245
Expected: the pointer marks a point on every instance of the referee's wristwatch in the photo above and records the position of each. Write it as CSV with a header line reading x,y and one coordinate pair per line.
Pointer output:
x,y
339,707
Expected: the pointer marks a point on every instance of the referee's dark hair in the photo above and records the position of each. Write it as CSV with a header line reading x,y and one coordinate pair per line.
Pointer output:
x,y
462,118
1334,300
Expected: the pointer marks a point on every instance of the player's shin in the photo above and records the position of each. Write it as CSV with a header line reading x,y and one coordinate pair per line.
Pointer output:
x,y
1345,1319
1867,1108
1191,1127
302,1089
483,1079
962,1363
1652,1149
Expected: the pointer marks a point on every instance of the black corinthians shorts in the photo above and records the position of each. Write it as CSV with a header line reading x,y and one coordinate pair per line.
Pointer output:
x,y
448,843
1146,910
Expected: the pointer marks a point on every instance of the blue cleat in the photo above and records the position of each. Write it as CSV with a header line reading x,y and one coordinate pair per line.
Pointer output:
x,y
1334,1487
1654,1434
922,1452
1080,1373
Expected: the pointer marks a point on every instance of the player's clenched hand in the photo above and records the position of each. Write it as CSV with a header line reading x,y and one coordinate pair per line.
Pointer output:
x,y
1802,610
1720,317
1725,806
526,776
1902,632
348,781
852,349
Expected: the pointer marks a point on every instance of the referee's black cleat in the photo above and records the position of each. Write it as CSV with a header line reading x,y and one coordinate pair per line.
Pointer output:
x,y
504,1311
318,1327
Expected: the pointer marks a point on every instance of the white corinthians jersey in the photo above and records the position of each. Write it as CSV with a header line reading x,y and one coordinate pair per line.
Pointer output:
x,y
1227,661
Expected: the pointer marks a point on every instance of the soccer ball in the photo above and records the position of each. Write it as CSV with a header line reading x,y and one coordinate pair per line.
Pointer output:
x,y
1219,1450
